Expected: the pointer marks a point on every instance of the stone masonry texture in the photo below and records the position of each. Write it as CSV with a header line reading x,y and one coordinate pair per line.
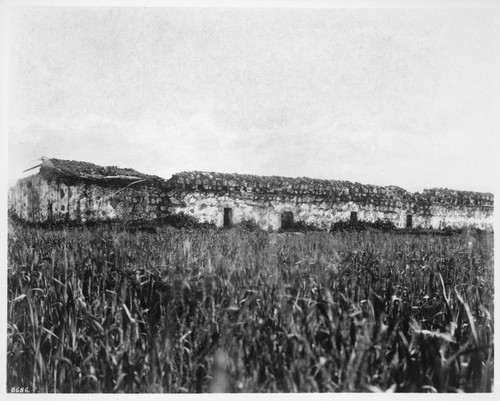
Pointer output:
x,y
77,191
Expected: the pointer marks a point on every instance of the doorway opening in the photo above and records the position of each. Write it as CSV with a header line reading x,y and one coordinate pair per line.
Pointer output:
x,y
286,220
409,221
228,217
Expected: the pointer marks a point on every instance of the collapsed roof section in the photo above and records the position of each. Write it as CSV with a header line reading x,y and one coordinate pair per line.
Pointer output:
x,y
72,172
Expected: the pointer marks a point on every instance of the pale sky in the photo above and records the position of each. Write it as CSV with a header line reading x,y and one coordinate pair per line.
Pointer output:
x,y
405,97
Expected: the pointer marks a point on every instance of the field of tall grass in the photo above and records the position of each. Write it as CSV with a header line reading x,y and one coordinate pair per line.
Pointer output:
x,y
107,310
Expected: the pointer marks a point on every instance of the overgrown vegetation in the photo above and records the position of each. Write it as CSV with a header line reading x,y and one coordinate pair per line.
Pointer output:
x,y
300,226
182,220
105,310
360,225
178,220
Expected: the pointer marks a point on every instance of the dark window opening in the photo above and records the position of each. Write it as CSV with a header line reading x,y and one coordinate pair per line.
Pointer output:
x,y
409,220
354,216
49,212
286,220
228,217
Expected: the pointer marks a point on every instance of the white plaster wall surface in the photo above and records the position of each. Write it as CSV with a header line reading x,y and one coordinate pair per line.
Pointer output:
x,y
209,207
37,199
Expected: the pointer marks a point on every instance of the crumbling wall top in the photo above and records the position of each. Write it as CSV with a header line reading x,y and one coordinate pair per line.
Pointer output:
x,y
334,189
72,172
451,197
199,180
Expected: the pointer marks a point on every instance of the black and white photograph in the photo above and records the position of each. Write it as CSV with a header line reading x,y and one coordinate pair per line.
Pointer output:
x,y
237,197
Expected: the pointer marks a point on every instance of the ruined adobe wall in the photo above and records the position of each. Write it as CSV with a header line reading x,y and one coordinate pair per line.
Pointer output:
x,y
38,199
439,208
266,210
260,199
263,199
322,203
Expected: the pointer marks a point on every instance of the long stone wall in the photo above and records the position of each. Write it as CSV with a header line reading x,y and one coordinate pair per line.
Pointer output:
x,y
267,210
38,199
68,197
322,202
